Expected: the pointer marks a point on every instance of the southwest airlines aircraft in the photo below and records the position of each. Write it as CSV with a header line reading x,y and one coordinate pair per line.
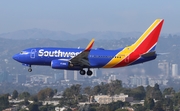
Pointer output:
x,y
142,50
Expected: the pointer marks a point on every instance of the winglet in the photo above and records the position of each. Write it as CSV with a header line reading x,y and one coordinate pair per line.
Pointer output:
x,y
88,48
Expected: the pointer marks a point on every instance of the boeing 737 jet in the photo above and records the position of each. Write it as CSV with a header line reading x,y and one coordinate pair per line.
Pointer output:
x,y
142,50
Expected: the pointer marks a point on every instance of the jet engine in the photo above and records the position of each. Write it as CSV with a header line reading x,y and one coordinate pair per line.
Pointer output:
x,y
59,64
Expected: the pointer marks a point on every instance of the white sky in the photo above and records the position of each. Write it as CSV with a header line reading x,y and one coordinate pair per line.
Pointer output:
x,y
80,16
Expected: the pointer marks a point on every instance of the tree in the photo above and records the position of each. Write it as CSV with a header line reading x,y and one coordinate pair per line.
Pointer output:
x,y
158,106
71,95
4,103
149,103
24,95
45,93
121,109
33,107
168,91
156,94
115,87
88,91
15,94
34,98
96,90
138,93
115,105
138,107
55,91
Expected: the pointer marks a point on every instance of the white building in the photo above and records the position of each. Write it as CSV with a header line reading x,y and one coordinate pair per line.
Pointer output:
x,y
111,78
106,99
174,70
164,66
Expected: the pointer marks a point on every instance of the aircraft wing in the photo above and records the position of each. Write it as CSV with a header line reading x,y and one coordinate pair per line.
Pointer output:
x,y
82,58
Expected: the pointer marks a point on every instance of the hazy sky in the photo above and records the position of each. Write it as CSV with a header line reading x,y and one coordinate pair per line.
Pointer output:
x,y
80,16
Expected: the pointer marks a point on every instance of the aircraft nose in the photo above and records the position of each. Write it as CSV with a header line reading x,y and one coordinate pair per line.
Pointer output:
x,y
15,57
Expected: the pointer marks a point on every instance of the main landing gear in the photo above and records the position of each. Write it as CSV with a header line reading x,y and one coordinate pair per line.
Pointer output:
x,y
83,72
30,69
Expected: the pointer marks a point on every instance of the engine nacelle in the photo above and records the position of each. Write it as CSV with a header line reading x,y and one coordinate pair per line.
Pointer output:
x,y
59,64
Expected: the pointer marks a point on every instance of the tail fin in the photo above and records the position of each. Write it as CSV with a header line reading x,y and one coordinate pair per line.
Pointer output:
x,y
148,40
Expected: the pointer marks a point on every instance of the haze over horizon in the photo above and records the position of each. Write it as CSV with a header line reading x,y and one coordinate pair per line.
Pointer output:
x,y
84,16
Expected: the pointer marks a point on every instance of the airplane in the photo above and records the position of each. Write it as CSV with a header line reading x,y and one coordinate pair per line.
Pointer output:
x,y
141,51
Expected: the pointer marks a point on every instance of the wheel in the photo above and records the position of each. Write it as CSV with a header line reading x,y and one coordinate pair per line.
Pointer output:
x,y
30,70
82,72
89,72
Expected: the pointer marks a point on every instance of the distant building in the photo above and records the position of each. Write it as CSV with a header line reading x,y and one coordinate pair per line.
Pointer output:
x,y
50,102
174,70
164,67
3,77
99,73
111,78
48,79
94,72
145,81
58,76
77,76
10,109
11,78
68,75
139,81
106,99
20,78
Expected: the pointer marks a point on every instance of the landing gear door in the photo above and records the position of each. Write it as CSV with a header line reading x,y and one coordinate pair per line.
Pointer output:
x,y
33,53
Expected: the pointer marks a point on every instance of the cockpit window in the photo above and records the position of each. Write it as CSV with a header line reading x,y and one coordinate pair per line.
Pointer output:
x,y
23,52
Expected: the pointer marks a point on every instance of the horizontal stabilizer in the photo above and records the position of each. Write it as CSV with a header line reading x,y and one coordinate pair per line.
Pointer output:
x,y
149,54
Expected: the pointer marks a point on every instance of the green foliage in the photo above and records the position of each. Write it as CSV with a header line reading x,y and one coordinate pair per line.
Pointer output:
x,y
159,106
25,102
45,93
92,109
87,90
168,91
115,105
121,109
4,103
34,98
154,92
112,88
138,93
102,108
149,103
23,110
55,91
15,94
24,95
139,107
33,107
71,95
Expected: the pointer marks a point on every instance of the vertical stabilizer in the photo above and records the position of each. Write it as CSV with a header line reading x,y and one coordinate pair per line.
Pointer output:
x,y
148,40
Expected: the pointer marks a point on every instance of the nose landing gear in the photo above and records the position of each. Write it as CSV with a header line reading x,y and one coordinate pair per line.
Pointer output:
x,y
30,69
